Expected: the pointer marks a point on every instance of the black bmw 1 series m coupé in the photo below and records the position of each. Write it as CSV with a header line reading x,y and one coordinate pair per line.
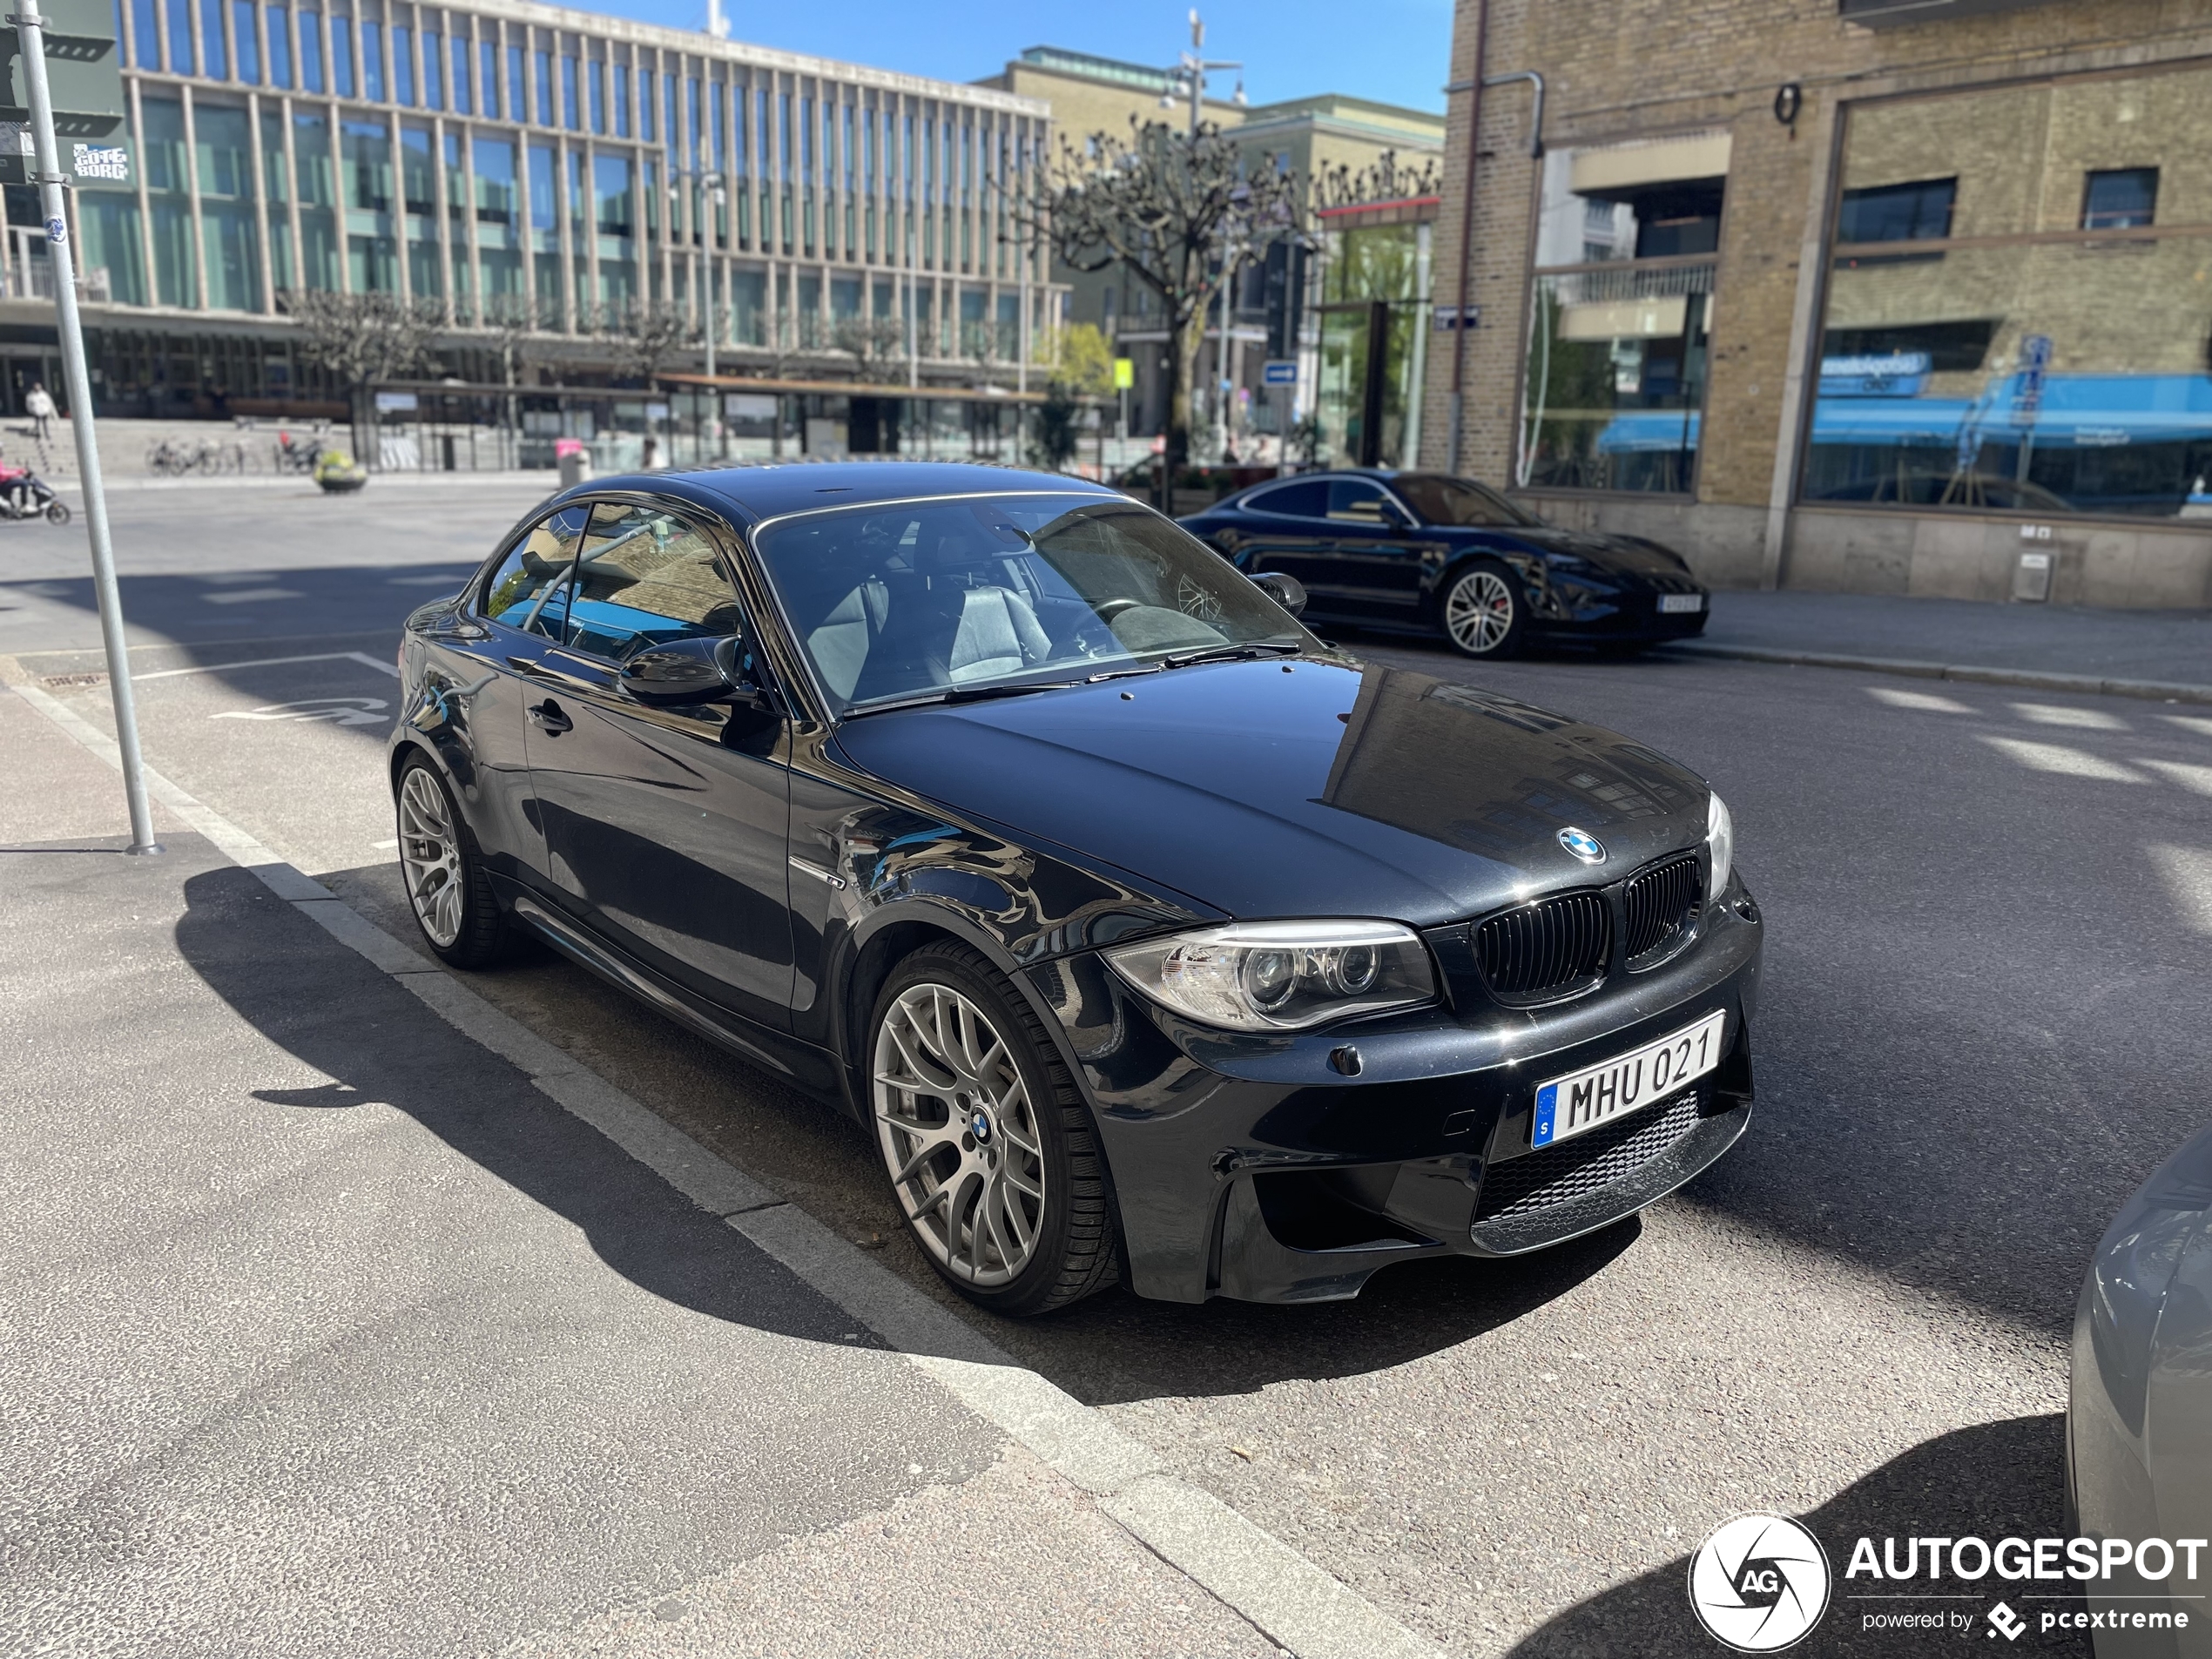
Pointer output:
x,y
1144,935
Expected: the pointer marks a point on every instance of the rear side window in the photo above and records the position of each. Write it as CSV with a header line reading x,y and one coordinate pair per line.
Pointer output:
x,y
647,578
528,590
1307,500
1355,499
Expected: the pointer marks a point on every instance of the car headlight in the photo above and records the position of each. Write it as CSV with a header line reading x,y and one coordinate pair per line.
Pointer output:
x,y
1720,842
1280,975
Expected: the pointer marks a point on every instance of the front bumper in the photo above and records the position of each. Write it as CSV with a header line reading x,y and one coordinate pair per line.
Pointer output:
x,y
1620,616
1247,1166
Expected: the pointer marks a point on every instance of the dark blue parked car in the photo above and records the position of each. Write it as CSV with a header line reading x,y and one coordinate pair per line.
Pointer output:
x,y
1438,554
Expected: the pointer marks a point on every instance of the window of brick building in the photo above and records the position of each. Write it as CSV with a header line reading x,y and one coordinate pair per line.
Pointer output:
x,y
2042,349
1626,245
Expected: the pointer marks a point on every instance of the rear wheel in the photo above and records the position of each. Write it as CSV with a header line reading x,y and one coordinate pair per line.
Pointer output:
x,y
444,873
1483,615
985,1138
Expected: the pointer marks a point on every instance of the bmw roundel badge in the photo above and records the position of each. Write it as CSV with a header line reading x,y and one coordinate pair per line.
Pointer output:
x,y
1583,845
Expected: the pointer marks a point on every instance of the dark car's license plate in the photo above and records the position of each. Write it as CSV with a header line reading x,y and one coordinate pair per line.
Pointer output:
x,y
1580,1100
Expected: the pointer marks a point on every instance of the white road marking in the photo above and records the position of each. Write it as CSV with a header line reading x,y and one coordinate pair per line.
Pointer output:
x,y
1289,1599
360,656
335,711
2071,763
2179,771
2057,714
2188,873
250,595
426,581
2190,723
1924,700
384,846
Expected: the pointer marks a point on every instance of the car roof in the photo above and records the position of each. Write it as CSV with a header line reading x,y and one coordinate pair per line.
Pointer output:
x,y
754,492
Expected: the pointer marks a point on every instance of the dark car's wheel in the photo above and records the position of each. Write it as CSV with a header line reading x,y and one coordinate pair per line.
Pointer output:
x,y
985,1138
444,873
1482,611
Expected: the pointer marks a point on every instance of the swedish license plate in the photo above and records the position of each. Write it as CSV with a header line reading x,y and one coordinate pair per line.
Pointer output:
x,y
1580,1100
1672,601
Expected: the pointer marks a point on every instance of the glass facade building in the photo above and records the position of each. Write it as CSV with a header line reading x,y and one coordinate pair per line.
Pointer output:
x,y
527,168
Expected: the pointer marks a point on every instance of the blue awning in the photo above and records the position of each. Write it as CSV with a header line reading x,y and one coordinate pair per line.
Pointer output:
x,y
2072,411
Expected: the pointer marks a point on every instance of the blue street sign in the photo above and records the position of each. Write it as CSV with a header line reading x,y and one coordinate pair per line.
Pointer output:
x,y
1279,374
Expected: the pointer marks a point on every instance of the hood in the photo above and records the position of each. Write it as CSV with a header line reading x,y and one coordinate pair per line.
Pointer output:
x,y
1618,554
1333,789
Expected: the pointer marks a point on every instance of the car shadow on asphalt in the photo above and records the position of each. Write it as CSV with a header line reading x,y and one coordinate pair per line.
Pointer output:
x,y
1117,1347
1993,1480
333,1011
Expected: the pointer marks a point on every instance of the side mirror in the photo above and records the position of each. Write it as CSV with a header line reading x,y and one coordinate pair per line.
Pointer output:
x,y
688,670
1285,590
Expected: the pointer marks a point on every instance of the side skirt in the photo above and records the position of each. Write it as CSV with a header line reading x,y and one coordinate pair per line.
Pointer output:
x,y
803,1065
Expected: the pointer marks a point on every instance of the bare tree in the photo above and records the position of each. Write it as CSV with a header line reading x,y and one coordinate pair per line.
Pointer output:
x,y
877,345
363,338
645,333
1176,210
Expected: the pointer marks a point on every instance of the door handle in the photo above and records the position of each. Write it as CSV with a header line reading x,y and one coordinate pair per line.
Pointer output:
x,y
550,717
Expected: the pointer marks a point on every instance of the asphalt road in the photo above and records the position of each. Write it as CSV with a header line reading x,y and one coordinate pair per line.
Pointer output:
x,y
1988,918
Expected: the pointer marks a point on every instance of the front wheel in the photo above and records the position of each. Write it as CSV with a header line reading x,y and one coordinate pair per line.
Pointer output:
x,y
443,871
1483,612
989,1150
56,512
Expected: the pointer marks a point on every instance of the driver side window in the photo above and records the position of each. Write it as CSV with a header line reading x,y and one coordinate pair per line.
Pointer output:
x,y
530,589
646,577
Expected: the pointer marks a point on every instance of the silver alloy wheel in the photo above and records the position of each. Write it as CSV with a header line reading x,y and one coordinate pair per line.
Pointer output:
x,y
430,857
959,1133
1479,611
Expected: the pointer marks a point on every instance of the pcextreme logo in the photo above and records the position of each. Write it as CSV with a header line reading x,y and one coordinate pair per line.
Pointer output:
x,y
1759,1584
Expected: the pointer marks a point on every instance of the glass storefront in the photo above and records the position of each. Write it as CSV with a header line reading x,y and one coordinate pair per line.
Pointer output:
x,y
2026,326
1618,325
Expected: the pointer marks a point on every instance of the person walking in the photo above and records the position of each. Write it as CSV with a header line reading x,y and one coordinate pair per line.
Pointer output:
x,y
38,404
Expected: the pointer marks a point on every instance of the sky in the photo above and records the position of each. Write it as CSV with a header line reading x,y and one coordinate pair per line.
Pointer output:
x,y
1394,50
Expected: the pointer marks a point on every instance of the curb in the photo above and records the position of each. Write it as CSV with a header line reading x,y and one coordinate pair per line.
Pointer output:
x,y
2081,684
1294,1603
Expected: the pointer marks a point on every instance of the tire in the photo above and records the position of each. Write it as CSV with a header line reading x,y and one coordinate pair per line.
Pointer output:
x,y
1000,1143
1483,612
56,512
443,870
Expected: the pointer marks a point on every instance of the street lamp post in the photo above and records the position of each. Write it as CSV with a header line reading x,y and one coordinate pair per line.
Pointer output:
x,y
707,186
50,179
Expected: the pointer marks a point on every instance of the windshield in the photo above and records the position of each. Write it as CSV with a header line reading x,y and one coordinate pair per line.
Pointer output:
x,y
927,596
1459,501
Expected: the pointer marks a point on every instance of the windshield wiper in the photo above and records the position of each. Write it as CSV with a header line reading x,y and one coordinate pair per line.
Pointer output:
x,y
1231,653
960,694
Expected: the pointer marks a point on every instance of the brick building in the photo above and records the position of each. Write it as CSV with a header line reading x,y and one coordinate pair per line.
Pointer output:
x,y
1876,295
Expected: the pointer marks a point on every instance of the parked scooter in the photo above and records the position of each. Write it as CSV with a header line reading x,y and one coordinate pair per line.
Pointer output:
x,y
23,494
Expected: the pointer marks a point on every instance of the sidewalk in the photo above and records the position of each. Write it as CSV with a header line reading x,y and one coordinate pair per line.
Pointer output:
x,y
340,1331
2144,653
